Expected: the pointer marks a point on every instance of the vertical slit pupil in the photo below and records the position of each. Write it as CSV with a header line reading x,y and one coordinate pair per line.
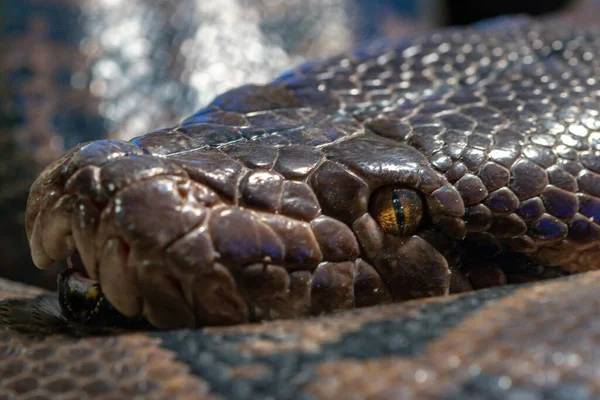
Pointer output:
x,y
398,210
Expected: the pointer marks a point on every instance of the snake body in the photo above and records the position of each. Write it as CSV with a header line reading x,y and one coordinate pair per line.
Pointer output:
x,y
458,160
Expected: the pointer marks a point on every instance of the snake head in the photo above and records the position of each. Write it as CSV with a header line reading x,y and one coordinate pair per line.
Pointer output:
x,y
206,238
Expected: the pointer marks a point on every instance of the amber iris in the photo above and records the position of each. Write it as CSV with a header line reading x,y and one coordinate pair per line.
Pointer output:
x,y
399,211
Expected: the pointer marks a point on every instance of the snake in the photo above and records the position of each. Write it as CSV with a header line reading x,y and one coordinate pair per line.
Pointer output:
x,y
445,185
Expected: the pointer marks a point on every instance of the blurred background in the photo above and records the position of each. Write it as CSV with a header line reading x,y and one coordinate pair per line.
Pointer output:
x,y
79,70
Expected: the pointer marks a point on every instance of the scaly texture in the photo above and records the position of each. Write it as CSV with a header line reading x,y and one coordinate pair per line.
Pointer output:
x,y
80,70
258,207
535,341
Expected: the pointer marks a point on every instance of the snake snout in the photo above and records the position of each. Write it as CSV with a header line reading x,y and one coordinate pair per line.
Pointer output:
x,y
57,192
99,200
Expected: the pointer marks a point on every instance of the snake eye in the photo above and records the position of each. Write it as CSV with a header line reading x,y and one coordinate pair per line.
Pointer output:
x,y
399,211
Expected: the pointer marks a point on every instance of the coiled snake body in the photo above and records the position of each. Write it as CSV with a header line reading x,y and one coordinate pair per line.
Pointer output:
x,y
438,164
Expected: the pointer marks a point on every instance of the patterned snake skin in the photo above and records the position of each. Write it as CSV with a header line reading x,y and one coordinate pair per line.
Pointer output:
x,y
438,164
